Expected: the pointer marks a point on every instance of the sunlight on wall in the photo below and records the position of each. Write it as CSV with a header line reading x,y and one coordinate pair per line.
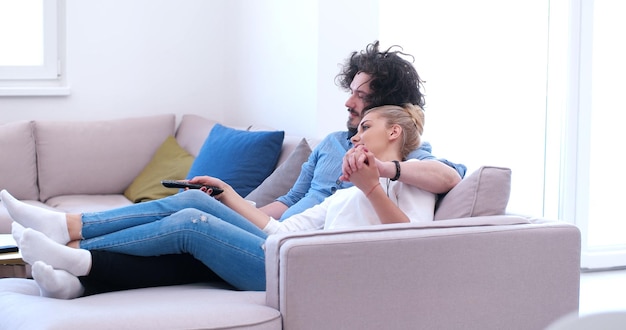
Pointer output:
x,y
484,63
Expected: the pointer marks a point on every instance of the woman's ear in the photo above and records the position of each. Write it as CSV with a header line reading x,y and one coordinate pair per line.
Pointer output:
x,y
395,132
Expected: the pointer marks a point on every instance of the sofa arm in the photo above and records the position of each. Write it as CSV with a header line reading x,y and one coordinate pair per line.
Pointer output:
x,y
511,276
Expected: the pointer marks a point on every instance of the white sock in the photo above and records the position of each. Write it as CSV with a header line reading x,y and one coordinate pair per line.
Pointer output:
x,y
16,231
56,283
35,246
51,223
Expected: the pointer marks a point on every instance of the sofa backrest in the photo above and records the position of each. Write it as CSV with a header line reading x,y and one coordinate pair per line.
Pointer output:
x,y
96,157
193,131
43,159
18,166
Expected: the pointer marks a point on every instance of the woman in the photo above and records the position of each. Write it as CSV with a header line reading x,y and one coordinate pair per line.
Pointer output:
x,y
234,249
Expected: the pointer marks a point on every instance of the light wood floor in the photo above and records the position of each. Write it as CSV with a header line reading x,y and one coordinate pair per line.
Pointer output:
x,y
602,291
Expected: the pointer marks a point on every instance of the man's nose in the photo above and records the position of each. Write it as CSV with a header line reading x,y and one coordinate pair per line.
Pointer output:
x,y
350,102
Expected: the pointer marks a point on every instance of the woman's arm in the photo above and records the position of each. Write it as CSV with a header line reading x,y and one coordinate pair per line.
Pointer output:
x,y
274,209
387,211
366,178
428,174
231,198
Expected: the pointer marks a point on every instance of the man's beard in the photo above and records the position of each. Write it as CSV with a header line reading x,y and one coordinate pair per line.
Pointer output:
x,y
351,132
352,129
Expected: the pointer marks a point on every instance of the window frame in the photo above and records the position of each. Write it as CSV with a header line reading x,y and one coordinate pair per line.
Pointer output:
x,y
577,204
49,78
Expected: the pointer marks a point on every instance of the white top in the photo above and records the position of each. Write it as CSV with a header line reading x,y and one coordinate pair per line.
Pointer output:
x,y
349,208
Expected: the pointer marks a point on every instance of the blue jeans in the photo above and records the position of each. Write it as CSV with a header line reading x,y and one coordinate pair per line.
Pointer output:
x,y
188,222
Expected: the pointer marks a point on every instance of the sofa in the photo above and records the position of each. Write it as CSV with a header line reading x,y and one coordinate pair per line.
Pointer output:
x,y
474,267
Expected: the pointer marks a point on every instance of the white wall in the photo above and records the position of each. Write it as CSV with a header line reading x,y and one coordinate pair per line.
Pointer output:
x,y
268,62
134,58
345,26
275,64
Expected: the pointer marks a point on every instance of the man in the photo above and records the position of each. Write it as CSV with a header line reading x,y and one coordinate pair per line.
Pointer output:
x,y
373,78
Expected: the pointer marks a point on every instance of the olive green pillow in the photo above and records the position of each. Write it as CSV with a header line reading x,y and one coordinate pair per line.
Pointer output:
x,y
170,162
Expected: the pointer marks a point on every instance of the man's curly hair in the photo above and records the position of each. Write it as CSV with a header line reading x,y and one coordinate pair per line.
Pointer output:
x,y
394,79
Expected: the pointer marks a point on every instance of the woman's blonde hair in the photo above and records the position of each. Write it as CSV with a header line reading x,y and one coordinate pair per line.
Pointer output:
x,y
410,117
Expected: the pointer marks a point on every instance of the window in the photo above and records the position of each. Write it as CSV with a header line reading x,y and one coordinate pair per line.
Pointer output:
x,y
484,65
30,61
584,126
598,204
534,86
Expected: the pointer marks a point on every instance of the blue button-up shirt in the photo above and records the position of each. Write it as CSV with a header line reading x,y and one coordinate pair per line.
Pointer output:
x,y
319,177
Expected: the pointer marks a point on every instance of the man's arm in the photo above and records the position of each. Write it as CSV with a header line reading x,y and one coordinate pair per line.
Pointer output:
x,y
322,155
430,175
276,208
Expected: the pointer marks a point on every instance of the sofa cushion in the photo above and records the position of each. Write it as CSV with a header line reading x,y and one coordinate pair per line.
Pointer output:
x,y
243,159
18,164
485,192
194,306
170,162
283,178
96,157
87,203
290,142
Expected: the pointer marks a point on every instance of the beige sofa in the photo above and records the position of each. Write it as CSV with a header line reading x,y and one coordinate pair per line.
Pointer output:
x,y
473,268
87,166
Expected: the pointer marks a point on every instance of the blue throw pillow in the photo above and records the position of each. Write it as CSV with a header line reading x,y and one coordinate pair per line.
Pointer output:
x,y
243,159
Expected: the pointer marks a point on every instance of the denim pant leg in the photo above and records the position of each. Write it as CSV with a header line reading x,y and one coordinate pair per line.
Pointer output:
x,y
100,223
233,253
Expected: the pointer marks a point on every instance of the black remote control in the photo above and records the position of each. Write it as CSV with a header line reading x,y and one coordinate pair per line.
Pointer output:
x,y
8,248
182,184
